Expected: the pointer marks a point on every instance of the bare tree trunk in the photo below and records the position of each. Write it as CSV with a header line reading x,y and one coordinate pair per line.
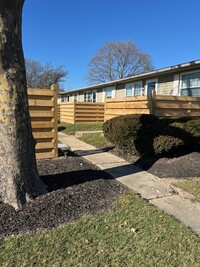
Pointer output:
x,y
19,179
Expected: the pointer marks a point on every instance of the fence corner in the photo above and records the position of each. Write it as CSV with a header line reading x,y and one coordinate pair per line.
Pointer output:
x,y
54,88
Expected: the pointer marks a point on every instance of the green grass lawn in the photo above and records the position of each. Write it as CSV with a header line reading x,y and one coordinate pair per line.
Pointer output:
x,y
94,139
132,233
72,128
191,186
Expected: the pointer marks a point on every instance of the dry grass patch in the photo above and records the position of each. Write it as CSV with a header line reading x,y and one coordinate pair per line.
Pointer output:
x,y
191,186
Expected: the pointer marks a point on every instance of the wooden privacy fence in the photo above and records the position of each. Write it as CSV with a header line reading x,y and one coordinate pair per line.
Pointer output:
x,y
159,105
176,106
43,112
127,105
58,110
82,112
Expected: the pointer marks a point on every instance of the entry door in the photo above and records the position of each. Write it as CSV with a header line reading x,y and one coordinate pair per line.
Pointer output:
x,y
151,85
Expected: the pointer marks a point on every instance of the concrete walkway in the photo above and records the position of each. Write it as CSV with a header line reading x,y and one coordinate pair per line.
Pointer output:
x,y
157,191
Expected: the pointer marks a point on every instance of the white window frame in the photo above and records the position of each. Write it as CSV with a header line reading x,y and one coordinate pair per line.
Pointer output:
x,y
94,91
150,81
133,89
77,97
91,93
65,98
126,85
185,73
113,91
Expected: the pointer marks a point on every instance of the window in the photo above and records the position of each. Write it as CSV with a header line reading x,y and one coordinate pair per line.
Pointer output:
x,y
129,89
108,92
64,98
90,96
75,97
94,93
137,88
190,84
134,89
87,97
67,98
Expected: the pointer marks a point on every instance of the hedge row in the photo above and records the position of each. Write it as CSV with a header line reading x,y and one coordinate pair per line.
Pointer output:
x,y
146,134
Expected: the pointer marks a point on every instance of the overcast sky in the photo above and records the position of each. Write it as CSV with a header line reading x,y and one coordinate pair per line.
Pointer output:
x,y
69,32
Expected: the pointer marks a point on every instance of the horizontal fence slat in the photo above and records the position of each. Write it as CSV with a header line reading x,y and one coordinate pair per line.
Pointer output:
x,y
44,155
44,145
175,113
127,99
127,105
89,115
40,103
43,135
177,105
41,114
38,124
40,92
90,104
176,98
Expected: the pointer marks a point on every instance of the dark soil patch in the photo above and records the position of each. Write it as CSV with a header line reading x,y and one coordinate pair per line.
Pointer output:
x,y
183,166
180,166
75,187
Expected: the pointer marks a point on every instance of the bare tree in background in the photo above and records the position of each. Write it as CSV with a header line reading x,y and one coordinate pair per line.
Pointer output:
x,y
117,60
19,179
43,76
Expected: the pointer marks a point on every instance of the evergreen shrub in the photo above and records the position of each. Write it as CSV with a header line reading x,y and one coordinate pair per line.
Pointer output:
x,y
147,135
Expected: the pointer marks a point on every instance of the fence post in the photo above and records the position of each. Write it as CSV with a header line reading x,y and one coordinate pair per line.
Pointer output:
x,y
74,112
152,102
55,109
105,107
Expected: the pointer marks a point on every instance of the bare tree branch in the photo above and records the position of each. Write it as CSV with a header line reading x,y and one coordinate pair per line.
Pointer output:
x,y
117,60
43,76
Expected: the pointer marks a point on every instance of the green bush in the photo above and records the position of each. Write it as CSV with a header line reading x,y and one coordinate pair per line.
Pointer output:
x,y
131,133
193,128
165,144
146,135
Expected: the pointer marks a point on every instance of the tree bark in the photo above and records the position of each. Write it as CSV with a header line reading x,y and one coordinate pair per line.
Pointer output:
x,y
19,179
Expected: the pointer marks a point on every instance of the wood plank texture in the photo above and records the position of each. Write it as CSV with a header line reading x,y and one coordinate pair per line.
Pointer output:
x,y
126,105
43,112
176,106
159,105
82,112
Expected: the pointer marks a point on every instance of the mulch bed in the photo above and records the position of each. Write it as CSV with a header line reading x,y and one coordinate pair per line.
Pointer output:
x,y
183,165
75,186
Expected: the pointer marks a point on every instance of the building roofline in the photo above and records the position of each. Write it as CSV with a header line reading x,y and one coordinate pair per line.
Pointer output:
x,y
146,74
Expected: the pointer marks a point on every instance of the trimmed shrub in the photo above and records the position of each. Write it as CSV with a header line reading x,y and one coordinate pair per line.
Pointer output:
x,y
164,144
131,133
146,134
193,128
